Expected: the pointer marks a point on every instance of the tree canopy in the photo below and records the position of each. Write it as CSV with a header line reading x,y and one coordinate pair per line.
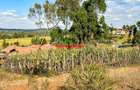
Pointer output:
x,y
84,14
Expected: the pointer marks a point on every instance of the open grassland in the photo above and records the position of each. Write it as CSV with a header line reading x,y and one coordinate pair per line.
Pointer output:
x,y
22,41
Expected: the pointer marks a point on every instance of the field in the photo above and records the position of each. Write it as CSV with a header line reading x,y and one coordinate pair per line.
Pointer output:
x,y
98,68
125,78
52,69
69,45
22,41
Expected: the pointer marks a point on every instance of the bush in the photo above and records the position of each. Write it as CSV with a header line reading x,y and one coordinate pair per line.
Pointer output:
x,y
4,44
90,77
55,35
43,41
67,41
37,40
16,43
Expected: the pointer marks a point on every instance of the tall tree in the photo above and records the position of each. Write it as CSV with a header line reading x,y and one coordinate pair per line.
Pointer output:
x,y
44,15
50,15
83,14
104,27
36,14
138,24
92,6
66,9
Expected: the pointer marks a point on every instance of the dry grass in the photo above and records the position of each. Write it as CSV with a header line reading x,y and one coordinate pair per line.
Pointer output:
x,y
125,78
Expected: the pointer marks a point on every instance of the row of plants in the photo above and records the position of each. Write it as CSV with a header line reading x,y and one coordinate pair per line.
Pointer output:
x,y
65,60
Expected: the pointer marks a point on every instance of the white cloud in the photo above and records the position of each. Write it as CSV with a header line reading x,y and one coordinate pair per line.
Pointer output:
x,y
11,19
120,12
9,13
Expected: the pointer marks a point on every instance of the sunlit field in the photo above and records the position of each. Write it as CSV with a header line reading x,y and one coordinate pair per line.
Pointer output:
x,y
22,41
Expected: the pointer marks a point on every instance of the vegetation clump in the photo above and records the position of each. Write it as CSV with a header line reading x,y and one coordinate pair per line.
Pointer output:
x,y
88,77
37,40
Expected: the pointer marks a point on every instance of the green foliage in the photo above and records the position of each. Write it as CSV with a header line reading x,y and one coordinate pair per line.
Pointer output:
x,y
137,37
38,40
67,40
88,77
84,16
138,24
55,34
62,37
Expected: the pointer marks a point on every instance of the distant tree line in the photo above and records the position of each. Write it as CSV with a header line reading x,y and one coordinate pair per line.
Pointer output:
x,y
10,35
134,33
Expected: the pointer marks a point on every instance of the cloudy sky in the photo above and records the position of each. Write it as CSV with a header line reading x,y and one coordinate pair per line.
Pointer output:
x,y
13,13
120,12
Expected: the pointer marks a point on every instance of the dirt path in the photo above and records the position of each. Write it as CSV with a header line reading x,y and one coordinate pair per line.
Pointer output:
x,y
54,83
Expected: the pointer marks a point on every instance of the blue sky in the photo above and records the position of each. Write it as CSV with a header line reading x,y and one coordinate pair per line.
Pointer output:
x,y
13,13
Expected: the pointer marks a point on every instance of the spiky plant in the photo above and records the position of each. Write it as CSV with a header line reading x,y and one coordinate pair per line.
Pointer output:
x,y
88,77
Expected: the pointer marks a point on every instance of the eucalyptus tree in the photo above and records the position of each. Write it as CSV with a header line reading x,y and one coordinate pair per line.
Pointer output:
x,y
44,15
93,7
66,8
138,24
83,14
36,14
50,15
104,31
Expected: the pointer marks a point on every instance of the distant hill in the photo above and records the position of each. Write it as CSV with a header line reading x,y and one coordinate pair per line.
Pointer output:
x,y
19,30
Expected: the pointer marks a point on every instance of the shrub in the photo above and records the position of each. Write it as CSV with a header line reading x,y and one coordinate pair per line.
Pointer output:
x,y
90,77
67,41
38,40
4,44
35,40
55,34
43,41
16,43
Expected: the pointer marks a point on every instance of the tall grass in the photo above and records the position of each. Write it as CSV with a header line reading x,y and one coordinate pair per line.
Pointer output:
x,y
64,60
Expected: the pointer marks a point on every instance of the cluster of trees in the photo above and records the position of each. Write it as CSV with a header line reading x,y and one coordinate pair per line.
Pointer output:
x,y
134,33
10,35
86,16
